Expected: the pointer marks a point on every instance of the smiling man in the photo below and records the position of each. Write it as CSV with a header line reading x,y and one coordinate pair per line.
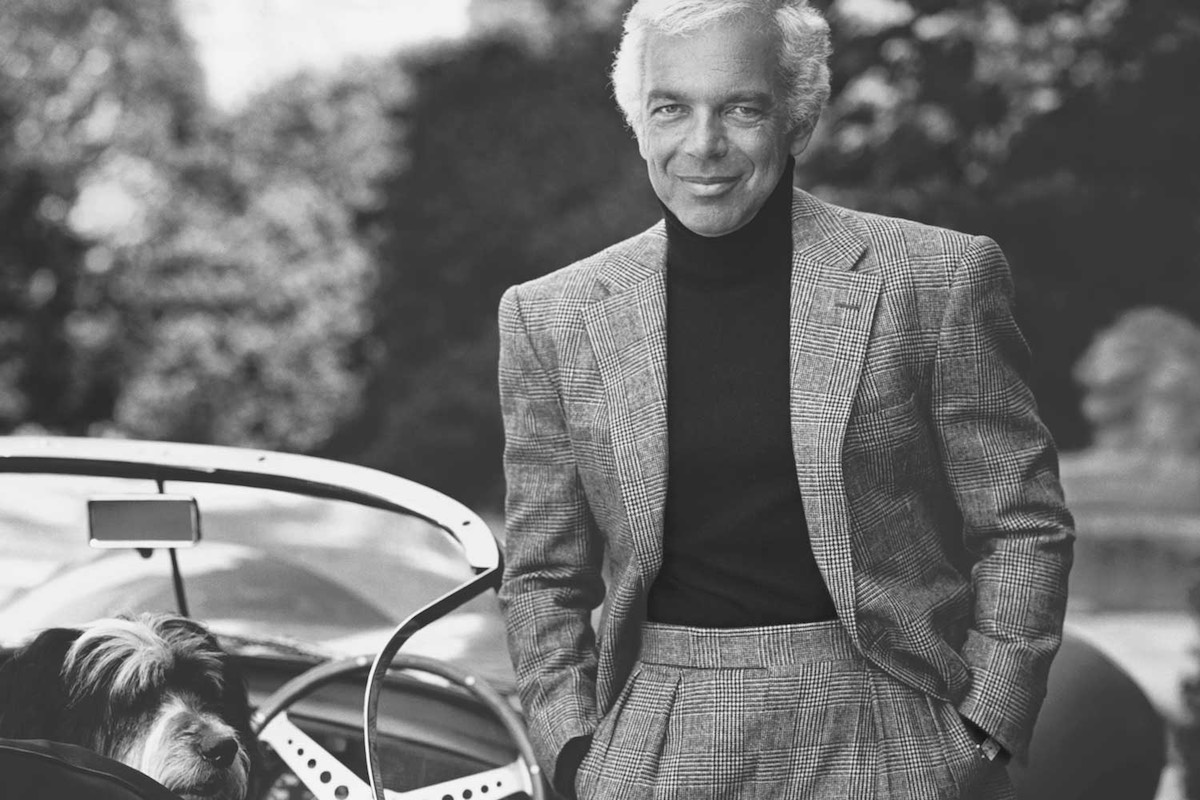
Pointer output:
x,y
790,447
714,137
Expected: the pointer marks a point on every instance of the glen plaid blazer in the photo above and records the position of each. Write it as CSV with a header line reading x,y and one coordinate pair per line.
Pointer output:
x,y
929,483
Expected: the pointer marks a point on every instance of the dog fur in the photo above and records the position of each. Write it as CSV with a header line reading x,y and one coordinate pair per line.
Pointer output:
x,y
155,692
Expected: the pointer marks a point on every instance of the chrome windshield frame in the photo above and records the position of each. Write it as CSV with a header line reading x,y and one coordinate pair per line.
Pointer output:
x,y
286,472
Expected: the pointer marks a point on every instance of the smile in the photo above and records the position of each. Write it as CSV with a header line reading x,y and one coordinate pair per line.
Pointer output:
x,y
706,186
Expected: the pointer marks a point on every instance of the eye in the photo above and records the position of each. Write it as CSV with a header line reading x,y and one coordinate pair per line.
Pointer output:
x,y
667,110
746,113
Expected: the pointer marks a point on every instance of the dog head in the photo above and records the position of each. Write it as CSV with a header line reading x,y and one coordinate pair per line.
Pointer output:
x,y
155,692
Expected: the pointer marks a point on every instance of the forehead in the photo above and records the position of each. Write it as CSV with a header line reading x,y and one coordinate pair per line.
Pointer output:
x,y
736,56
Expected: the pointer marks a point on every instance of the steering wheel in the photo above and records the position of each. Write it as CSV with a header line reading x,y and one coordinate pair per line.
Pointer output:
x,y
329,779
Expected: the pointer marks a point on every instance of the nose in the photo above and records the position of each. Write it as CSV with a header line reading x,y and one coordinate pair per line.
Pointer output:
x,y
218,748
706,139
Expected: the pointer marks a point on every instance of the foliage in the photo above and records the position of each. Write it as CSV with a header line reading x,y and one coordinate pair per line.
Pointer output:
x,y
249,308
321,272
242,312
1055,128
543,24
166,274
520,165
1023,121
93,95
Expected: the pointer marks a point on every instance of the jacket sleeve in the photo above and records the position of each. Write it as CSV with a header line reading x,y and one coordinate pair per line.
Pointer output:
x,y
1002,468
553,552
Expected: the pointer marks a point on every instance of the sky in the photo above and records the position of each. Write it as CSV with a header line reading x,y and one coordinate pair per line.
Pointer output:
x,y
243,45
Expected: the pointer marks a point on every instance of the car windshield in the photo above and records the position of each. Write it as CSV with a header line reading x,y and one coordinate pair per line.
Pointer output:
x,y
273,571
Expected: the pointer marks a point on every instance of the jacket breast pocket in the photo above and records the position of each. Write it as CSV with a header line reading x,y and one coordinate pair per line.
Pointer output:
x,y
872,410
883,390
881,428
889,448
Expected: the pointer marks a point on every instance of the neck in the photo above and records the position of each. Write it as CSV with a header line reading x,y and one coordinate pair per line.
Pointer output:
x,y
759,246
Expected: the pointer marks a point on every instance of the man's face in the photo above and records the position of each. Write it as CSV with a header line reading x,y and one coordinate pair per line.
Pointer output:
x,y
715,132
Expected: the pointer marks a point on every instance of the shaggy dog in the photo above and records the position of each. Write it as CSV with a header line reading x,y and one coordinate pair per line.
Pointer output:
x,y
155,692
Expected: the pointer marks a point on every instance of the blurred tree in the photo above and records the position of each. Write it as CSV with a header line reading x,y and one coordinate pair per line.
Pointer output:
x,y
520,165
93,95
331,259
168,274
1141,378
1029,122
1056,128
542,24
248,310
243,312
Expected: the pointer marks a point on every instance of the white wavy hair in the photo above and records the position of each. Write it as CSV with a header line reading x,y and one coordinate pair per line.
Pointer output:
x,y
803,52
170,667
125,657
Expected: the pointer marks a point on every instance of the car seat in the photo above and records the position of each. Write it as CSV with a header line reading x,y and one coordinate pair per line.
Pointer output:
x,y
36,769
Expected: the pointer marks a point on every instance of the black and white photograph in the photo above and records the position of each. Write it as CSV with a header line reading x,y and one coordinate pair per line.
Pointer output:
x,y
599,400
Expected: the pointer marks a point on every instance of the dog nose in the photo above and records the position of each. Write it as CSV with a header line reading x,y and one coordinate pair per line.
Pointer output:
x,y
218,749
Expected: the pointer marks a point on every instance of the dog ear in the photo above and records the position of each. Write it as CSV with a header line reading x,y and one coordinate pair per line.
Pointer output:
x,y
32,696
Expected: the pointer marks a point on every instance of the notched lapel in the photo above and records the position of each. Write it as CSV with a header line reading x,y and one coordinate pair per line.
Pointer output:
x,y
833,310
832,315
629,337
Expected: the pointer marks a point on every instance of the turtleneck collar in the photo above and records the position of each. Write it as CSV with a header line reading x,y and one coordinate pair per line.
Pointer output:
x,y
760,247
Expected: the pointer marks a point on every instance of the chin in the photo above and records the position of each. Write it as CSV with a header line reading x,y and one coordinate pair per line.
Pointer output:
x,y
704,223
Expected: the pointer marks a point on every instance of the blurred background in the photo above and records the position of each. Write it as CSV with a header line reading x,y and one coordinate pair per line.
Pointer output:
x,y
287,224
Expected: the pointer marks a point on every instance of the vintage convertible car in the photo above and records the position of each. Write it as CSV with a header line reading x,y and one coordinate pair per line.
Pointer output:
x,y
306,570
361,610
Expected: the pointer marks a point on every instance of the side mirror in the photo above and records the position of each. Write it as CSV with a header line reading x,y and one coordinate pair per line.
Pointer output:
x,y
144,521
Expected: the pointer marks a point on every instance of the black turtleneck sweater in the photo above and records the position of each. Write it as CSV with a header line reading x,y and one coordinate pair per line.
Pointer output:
x,y
735,543
736,550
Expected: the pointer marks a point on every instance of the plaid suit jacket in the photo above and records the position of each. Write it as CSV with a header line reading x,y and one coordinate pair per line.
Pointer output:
x,y
929,483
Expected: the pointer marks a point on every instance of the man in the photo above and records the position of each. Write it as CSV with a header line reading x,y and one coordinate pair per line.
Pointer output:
x,y
793,444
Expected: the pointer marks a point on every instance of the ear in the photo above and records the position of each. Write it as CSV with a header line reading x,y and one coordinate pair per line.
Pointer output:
x,y
800,139
32,696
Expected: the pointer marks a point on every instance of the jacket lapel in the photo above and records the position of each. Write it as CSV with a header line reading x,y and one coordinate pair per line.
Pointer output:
x,y
628,332
832,309
833,306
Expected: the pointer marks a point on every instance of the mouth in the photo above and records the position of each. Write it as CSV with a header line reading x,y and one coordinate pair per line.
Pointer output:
x,y
708,186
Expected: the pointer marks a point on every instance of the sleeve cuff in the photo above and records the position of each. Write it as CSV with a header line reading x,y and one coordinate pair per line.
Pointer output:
x,y
981,736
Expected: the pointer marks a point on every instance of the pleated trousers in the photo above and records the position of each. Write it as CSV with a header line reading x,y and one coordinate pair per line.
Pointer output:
x,y
785,712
